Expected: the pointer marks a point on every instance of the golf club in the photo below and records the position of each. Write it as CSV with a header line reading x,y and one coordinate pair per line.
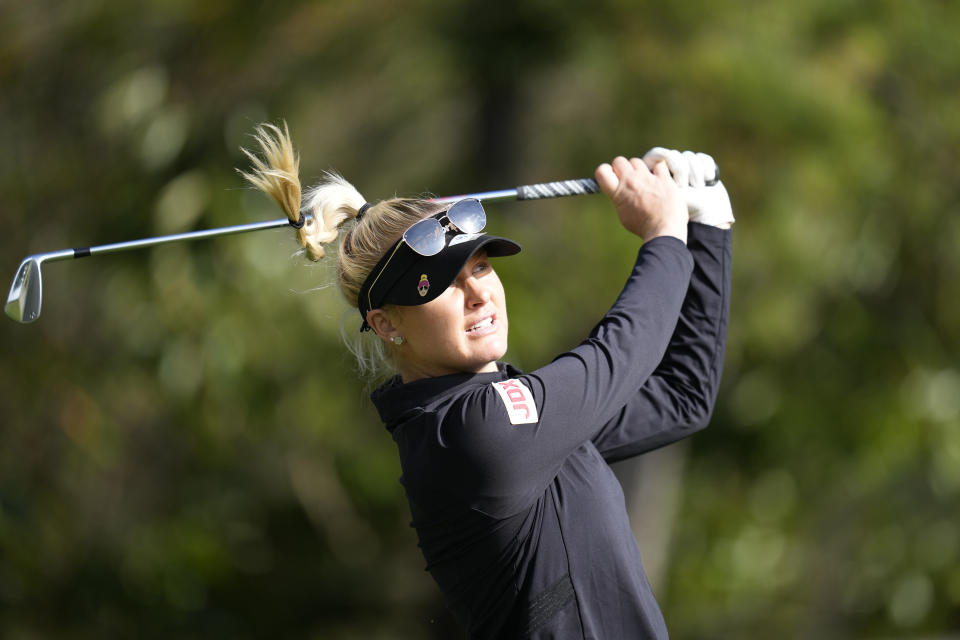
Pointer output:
x,y
26,292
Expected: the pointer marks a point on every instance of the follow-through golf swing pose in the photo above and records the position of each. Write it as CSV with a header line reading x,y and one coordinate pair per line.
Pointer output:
x,y
519,516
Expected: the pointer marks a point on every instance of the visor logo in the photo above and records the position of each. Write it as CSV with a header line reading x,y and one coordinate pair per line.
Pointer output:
x,y
464,237
424,285
518,400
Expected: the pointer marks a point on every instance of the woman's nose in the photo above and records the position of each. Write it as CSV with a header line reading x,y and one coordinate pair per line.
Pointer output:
x,y
477,293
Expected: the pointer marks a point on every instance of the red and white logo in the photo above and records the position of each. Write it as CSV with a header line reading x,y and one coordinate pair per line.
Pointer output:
x,y
518,400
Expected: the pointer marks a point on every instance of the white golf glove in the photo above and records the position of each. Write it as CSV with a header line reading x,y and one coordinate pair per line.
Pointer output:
x,y
692,171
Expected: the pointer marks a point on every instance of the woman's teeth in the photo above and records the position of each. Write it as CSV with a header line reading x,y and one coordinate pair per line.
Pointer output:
x,y
486,322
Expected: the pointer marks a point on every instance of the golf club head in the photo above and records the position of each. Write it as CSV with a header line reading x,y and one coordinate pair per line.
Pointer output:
x,y
26,292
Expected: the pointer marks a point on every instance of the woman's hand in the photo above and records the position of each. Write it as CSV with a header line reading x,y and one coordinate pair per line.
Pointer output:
x,y
698,177
649,203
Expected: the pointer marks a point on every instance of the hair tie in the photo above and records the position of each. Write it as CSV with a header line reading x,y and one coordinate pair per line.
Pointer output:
x,y
299,224
363,210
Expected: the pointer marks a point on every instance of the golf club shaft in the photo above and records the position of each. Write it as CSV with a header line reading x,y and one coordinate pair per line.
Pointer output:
x,y
525,192
117,247
26,292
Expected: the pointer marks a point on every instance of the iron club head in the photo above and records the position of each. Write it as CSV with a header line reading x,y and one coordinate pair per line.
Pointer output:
x,y
26,292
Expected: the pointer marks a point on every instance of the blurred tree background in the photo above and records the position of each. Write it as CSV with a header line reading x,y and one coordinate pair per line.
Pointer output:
x,y
185,449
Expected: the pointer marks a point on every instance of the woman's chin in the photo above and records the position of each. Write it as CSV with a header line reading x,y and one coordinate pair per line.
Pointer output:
x,y
485,360
497,352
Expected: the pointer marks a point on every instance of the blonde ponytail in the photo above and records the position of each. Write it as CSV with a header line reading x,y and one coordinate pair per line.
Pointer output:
x,y
276,173
330,204
323,210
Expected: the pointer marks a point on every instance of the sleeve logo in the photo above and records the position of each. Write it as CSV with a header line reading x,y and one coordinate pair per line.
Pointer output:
x,y
518,400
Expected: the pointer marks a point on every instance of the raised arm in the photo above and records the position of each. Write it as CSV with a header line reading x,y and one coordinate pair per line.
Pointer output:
x,y
678,399
511,454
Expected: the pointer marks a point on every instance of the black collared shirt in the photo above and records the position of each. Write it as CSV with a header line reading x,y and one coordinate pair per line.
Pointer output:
x,y
519,516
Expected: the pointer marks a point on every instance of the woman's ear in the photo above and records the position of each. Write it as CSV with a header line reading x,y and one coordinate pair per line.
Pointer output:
x,y
382,324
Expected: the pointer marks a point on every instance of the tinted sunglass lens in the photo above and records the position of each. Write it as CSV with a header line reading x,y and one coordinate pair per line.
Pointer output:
x,y
425,237
468,215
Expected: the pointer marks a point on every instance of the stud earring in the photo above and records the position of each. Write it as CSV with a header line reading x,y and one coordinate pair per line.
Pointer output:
x,y
397,340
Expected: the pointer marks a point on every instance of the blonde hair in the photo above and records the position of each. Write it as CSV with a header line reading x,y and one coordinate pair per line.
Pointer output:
x,y
325,209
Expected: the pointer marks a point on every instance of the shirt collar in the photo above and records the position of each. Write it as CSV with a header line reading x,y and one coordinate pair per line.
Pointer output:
x,y
394,399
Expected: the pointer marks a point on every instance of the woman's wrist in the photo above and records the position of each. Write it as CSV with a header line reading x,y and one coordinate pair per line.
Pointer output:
x,y
668,230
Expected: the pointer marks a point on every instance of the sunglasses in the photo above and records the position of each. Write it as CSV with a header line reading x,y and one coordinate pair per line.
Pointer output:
x,y
428,236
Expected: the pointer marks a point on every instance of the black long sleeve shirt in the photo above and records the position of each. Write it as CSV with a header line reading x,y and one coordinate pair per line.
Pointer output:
x,y
519,516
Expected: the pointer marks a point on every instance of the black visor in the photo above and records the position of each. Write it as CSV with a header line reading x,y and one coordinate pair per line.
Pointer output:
x,y
405,277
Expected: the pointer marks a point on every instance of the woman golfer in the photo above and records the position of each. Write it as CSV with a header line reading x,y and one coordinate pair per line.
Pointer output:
x,y
519,516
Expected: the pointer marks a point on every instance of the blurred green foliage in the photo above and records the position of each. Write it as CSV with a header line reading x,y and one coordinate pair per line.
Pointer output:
x,y
185,450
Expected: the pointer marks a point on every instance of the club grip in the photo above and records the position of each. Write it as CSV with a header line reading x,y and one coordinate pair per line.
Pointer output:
x,y
559,189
